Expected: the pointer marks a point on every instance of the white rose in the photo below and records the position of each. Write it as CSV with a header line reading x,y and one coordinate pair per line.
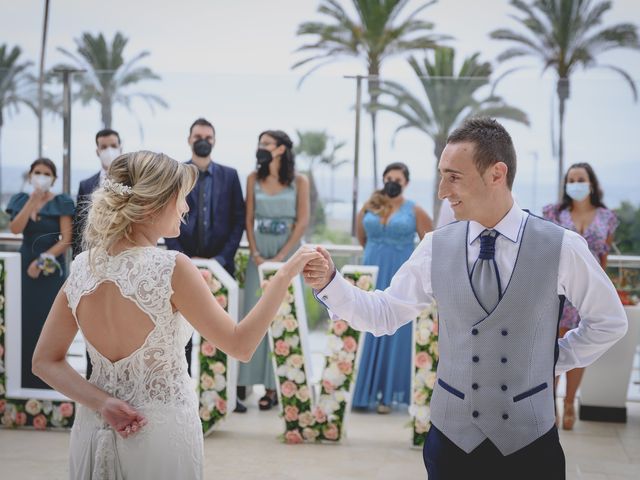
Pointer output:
x,y
282,371
335,343
205,414
299,377
215,285
430,380
33,407
207,382
293,341
285,309
333,375
421,413
328,404
219,368
47,407
364,282
295,361
220,383
277,328
208,399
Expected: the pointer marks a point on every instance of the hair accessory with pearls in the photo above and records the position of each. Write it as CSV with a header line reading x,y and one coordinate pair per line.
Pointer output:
x,y
117,187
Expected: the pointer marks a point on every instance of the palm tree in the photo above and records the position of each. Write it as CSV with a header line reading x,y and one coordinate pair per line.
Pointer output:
x,y
376,34
317,148
108,76
449,99
565,35
14,82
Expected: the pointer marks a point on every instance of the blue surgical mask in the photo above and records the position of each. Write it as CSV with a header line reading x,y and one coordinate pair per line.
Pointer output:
x,y
578,190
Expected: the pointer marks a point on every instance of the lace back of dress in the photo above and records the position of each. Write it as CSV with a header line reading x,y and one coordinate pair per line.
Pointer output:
x,y
156,371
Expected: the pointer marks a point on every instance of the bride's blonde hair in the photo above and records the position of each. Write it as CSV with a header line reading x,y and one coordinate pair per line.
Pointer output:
x,y
138,186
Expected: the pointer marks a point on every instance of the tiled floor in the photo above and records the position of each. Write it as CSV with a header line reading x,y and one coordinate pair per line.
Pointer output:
x,y
246,447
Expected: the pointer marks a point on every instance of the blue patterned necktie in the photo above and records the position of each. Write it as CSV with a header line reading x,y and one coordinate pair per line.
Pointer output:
x,y
485,277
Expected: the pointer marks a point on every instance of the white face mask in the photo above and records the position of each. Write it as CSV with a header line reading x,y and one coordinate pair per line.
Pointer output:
x,y
108,155
578,191
41,182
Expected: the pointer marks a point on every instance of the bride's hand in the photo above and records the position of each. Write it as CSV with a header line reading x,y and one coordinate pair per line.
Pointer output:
x,y
298,260
122,417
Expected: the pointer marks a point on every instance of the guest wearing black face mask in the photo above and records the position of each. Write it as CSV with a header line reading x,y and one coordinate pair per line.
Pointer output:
x,y
386,227
277,216
213,228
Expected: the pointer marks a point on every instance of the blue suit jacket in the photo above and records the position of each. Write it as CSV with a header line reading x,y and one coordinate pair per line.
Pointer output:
x,y
86,188
228,220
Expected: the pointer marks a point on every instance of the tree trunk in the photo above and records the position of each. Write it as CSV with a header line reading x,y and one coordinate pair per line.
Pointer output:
x,y
439,145
313,201
106,113
41,76
563,95
374,71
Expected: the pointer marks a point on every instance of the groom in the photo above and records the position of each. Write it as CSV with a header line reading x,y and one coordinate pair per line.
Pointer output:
x,y
500,277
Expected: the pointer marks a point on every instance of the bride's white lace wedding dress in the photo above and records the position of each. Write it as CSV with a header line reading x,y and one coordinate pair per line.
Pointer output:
x,y
153,379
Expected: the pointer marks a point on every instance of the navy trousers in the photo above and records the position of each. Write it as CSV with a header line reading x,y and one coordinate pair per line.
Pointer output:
x,y
540,460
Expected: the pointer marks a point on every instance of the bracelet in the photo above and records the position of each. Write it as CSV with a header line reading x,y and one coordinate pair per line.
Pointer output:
x,y
255,254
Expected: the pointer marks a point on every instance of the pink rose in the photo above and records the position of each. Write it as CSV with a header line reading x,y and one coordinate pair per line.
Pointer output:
x,y
282,348
339,327
290,324
328,386
288,389
221,405
3,404
291,413
319,415
349,344
40,422
21,419
222,300
293,437
423,360
207,349
66,409
435,327
345,367
331,432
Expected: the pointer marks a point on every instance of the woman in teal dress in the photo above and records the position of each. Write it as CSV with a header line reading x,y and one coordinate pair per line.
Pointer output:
x,y
44,219
386,228
277,216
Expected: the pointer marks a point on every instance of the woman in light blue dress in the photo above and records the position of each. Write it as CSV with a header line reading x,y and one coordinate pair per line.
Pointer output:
x,y
386,228
277,216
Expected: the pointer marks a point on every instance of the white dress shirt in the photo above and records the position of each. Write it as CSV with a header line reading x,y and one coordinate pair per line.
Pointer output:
x,y
581,280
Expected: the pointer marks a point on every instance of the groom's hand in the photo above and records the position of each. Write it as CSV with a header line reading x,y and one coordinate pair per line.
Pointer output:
x,y
319,272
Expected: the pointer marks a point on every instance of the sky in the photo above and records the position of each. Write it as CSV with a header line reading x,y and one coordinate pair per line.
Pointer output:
x,y
231,63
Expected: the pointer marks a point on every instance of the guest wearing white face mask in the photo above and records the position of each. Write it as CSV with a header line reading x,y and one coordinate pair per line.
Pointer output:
x,y
45,220
108,148
582,211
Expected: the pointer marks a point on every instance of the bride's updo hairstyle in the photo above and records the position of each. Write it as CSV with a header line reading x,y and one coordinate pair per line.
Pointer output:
x,y
138,186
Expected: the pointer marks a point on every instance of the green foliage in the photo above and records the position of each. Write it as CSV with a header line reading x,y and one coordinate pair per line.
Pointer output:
x,y
627,236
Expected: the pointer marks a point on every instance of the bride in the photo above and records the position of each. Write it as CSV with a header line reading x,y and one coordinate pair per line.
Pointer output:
x,y
136,306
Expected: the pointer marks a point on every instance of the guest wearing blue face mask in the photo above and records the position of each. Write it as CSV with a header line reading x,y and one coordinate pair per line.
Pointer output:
x,y
44,220
582,211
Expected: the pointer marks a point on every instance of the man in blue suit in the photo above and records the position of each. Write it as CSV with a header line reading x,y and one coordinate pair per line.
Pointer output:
x,y
216,218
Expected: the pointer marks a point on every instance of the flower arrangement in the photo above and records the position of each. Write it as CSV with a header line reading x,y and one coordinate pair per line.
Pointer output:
x,y
305,420
627,283
212,387
48,264
39,414
339,371
425,363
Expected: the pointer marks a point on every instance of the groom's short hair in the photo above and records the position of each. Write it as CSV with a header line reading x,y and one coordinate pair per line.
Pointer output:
x,y
492,144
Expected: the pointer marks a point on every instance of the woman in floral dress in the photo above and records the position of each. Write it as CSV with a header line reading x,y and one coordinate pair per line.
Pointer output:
x,y
582,211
